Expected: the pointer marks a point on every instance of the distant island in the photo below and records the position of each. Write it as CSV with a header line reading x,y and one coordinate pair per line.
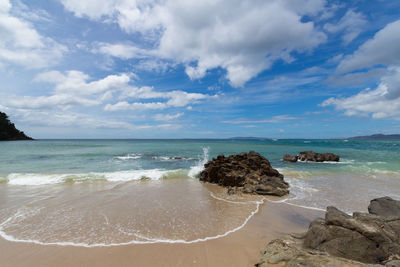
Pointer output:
x,y
8,132
248,138
388,137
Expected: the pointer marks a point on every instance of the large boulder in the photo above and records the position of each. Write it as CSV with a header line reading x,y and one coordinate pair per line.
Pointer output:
x,y
289,252
249,172
363,237
369,239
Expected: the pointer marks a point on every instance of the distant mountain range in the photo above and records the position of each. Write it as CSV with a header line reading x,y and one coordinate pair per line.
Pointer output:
x,y
8,132
388,137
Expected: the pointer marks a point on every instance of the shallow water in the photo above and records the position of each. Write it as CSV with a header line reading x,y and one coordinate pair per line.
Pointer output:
x,y
113,192
107,214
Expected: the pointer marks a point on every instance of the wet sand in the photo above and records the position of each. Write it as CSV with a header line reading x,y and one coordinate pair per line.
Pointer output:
x,y
241,248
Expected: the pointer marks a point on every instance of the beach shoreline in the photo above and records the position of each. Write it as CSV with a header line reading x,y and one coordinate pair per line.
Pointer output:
x,y
240,248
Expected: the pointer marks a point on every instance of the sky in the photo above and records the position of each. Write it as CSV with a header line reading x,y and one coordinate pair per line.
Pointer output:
x,y
200,69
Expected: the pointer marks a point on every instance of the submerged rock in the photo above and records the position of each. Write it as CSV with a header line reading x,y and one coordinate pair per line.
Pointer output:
x,y
249,172
311,156
364,237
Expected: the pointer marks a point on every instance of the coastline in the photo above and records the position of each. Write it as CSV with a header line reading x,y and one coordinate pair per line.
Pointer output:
x,y
240,248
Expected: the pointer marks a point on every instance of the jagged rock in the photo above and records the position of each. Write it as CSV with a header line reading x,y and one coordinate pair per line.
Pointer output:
x,y
249,172
317,157
384,206
363,237
289,252
369,239
290,158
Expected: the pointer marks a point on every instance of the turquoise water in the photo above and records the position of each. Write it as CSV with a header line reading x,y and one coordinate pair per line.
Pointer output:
x,y
82,156
115,192
367,168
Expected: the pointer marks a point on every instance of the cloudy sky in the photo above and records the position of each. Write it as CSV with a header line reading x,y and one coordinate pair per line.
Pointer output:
x,y
200,69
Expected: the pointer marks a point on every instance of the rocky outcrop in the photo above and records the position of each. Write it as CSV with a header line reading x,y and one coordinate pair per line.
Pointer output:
x,y
290,252
311,156
248,172
363,237
8,132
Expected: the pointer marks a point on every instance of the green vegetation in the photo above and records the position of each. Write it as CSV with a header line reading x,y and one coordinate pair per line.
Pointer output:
x,y
8,132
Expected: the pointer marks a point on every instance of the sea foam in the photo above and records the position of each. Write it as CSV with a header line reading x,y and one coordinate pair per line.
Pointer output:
x,y
195,170
129,157
119,176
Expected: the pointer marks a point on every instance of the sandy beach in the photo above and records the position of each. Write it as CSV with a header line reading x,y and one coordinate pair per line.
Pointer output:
x,y
241,248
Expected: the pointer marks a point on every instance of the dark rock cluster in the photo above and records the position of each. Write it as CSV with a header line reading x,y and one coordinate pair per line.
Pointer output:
x,y
368,238
311,156
248,172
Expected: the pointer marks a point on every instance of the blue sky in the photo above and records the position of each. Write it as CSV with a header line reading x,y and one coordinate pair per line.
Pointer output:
x,y
200,69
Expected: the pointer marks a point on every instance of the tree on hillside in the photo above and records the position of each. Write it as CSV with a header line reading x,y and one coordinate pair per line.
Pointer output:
x,y
8,130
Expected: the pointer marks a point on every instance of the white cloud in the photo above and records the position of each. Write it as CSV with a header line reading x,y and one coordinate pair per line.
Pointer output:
x,y
176,98
43,118
59,101
382,102
123,51
167,117
383,49
274,119
356,79
21,44
76,82
70,90
124,105
241,37
154,65
330,11
77,89
92,8
166,126
351,24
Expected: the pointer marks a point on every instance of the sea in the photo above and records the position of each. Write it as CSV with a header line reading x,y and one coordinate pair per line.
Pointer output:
x,y
94,193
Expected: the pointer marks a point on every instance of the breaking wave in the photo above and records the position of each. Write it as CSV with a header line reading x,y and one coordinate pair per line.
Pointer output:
x,y
195,170
129,157
119,176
